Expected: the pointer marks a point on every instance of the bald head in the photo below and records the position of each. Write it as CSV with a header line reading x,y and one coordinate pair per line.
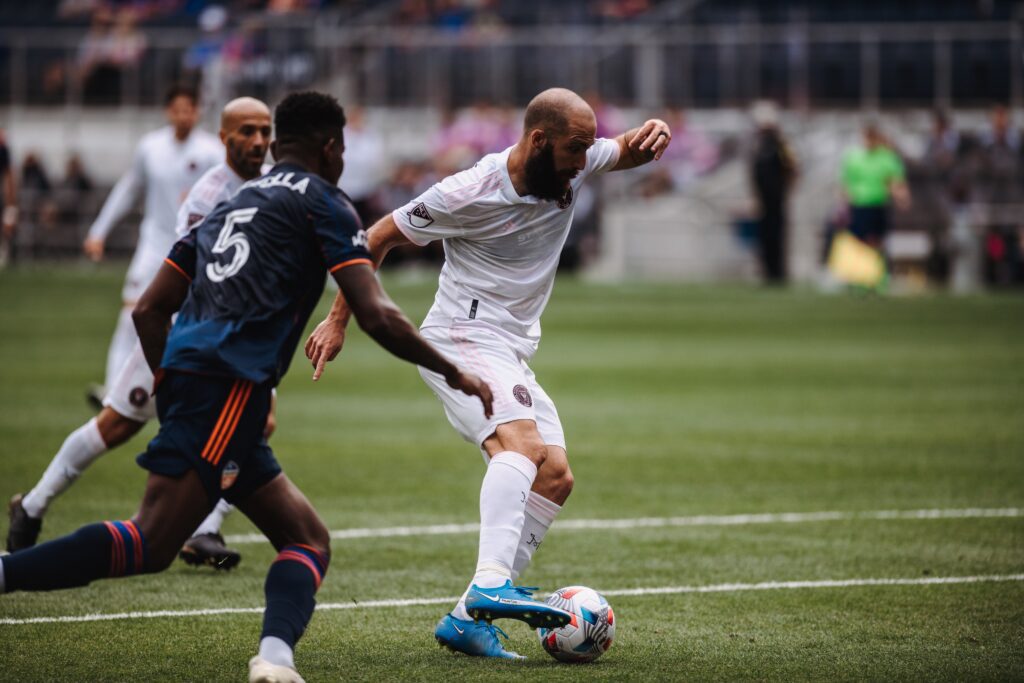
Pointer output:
x,y
555,110
245,131
242,108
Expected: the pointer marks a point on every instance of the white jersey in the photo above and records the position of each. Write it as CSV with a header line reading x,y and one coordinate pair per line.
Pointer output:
x,y
501,249
166,169
217,185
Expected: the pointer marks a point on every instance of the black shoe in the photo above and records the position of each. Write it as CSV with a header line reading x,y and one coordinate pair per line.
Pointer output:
x,y
209,549
94,396
23,531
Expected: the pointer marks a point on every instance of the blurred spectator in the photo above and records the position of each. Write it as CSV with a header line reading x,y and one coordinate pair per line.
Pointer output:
x,y
468,134
872,178
773,172
8,202
34,177
1000,188
941,194
690,156
112,45
364,166
37,199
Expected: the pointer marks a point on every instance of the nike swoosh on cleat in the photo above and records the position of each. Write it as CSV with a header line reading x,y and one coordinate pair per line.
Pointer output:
x,y
458,629
495,598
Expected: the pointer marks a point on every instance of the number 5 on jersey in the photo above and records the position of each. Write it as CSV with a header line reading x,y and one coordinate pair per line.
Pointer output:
x,y
218,272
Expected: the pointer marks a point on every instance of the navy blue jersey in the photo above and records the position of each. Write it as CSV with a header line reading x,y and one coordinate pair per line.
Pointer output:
x,y
258,264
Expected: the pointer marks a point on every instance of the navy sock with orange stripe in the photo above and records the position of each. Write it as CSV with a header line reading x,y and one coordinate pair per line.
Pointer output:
x,y
96,551
292,581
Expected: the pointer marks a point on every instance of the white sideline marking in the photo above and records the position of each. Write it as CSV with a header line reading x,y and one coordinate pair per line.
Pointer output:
x,y
664,590
641,522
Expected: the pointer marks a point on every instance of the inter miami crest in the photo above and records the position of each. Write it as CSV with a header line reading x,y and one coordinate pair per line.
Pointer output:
x,y
420,217
522,395
565,200
138,397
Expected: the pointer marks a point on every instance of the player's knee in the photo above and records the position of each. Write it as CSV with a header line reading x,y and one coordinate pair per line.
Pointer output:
x,y
115,428
558,481
159,557
537,452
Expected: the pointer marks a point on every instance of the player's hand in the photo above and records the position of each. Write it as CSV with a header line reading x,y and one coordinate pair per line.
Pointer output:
x,y
93,248
324,345
471,385
652,139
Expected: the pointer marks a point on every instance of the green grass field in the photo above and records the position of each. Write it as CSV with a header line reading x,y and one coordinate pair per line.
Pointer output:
x,y
677,402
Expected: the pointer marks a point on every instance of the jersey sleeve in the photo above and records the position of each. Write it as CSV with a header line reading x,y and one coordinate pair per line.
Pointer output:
x,y
602,156
122,196
428,218
183,256
198,204
339,231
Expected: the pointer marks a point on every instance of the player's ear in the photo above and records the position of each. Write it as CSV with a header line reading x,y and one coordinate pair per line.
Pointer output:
x,y
538,139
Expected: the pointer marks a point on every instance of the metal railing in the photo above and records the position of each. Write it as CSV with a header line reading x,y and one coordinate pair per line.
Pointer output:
x,y
799,64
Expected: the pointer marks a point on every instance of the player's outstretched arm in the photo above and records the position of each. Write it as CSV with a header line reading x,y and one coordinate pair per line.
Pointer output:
x,y
641,145
380,318
326,340
152,314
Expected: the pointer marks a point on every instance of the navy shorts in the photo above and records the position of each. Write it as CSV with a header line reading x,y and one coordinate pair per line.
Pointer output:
x,y
869,223
213,425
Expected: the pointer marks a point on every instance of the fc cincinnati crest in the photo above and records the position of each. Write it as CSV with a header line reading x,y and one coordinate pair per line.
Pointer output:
x,y
522,395
228,475
420,217
138,397
565,200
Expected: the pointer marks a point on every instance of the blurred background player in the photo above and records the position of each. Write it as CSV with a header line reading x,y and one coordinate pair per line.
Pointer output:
x,y
245,131
246,281
8,202
773,172
503,223
167,163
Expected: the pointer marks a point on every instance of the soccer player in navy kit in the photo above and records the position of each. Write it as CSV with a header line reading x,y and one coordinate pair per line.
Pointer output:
x,y
246,281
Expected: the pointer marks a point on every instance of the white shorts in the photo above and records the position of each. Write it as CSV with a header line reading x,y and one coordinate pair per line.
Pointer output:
x,y
141,271
517,395
132,392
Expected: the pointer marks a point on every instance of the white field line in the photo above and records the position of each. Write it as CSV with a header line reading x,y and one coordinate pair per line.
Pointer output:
x,y
664,590
649,522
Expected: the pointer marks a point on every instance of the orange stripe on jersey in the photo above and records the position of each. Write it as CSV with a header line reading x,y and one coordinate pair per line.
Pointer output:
x,y
174,265
352,262
232,424
232,395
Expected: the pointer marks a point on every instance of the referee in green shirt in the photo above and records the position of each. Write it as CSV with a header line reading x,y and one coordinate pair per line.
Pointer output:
x,y
872,179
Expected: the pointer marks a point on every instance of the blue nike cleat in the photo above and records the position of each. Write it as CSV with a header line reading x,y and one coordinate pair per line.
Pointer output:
x,y
472,638
513,602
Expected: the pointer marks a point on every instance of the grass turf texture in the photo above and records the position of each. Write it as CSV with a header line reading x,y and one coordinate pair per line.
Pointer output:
x,y
676,401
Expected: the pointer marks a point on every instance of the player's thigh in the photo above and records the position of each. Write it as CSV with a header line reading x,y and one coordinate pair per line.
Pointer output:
x,y
285,516
491,358
132,392
171,509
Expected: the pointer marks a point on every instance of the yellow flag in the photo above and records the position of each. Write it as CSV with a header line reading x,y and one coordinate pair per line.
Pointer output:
x,y
854,262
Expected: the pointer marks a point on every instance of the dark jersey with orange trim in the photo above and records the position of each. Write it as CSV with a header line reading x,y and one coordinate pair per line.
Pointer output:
x,y
258,264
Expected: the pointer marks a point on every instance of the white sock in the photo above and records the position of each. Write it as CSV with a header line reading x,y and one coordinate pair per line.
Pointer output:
x,y
121,345
276,651
502,514
540,514
82,447
213,521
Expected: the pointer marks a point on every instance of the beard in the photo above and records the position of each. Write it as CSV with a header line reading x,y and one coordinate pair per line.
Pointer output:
x,y
542,178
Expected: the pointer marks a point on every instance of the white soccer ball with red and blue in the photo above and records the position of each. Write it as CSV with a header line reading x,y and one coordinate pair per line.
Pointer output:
x,y
588,635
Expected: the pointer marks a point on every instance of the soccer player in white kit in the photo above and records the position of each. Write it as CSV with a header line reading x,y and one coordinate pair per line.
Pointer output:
x,y
503,223
167,163
245,131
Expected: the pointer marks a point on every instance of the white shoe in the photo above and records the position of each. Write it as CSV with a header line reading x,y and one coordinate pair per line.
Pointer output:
x,y
262,671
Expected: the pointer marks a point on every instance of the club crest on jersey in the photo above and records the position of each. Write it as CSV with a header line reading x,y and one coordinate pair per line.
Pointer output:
x,y
138,397
420,217
565,200
522,395
228,475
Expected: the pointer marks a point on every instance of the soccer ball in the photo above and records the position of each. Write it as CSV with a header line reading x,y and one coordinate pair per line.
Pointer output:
x,y
588,635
